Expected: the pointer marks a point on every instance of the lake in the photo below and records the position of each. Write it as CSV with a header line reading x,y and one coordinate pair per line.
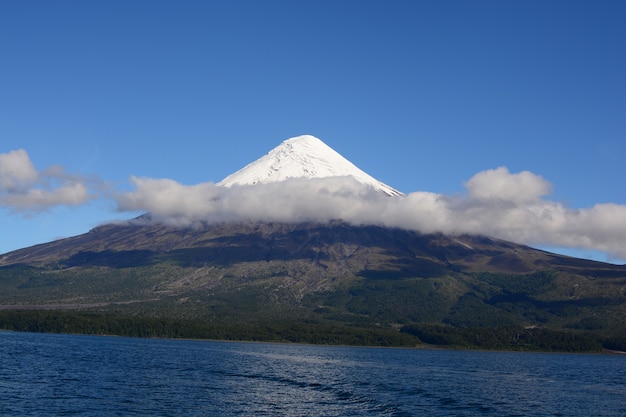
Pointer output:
x,y
53,375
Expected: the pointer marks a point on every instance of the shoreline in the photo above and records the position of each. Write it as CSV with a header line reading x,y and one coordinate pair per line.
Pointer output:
x,y
424,346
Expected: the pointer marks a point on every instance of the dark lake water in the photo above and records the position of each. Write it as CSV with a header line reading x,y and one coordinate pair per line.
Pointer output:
x,y
63,375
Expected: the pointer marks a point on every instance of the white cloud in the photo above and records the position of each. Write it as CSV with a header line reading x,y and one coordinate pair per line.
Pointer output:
x,y
24,189
502,185
498,203
16,170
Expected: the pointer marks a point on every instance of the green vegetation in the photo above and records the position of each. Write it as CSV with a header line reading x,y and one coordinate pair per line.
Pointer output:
x,y
280,331
508,338
500,338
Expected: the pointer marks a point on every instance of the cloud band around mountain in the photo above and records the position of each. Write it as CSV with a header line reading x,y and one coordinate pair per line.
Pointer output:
x,y
498,203
511,206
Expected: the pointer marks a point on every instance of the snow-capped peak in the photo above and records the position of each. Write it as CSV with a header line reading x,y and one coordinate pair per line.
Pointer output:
x,y
302,157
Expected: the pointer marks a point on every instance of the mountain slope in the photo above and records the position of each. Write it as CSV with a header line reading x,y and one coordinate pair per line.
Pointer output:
x,y
302,157
360,276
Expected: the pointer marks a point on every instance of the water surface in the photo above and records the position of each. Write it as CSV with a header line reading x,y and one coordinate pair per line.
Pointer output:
x,y
45,374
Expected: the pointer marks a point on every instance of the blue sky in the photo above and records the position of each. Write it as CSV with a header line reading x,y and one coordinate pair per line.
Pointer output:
x,y
422,95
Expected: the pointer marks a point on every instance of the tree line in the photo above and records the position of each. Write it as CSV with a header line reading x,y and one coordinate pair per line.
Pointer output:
x,y
501,338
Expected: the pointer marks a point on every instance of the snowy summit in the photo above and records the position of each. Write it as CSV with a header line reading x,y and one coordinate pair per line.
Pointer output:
x,y
302,157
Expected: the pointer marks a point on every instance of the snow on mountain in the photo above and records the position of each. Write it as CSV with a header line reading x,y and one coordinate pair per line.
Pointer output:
x,y
302,157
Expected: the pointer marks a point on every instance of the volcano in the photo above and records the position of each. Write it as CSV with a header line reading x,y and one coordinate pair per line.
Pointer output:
x,y
304,281
302,157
